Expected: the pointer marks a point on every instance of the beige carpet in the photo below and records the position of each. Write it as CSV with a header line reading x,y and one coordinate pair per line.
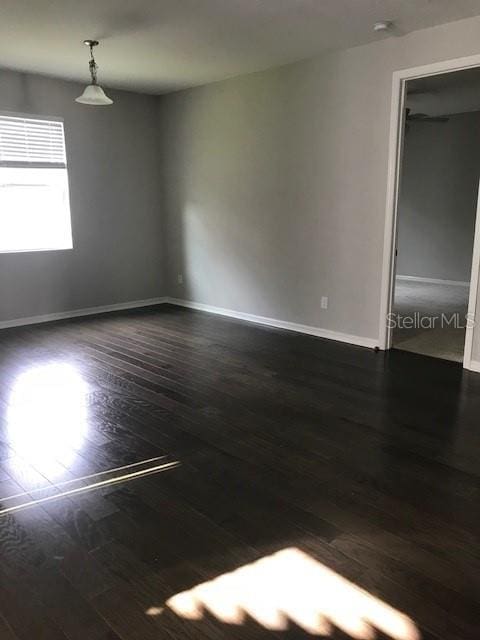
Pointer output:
x,y
425,302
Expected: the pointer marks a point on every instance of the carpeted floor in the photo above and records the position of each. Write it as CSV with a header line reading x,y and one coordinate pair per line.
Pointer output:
x,y
437,313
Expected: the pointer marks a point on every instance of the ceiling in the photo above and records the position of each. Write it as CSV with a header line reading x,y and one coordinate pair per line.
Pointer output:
x,y
445,94
162,45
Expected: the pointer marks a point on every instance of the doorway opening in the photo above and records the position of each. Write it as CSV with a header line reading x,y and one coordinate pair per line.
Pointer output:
x,y
435,248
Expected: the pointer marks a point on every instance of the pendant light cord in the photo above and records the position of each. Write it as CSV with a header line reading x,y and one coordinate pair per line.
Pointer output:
x,y
93,66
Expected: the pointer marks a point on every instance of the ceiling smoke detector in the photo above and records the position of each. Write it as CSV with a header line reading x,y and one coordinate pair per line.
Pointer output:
x,y
384,25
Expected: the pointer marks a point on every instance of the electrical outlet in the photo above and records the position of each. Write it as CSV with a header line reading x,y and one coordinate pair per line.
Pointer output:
x,y
180,278
324,302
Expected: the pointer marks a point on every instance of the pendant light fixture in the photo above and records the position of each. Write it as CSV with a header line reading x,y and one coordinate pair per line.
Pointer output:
x,y
93,94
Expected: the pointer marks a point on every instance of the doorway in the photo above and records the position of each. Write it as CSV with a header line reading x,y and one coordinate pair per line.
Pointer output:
x,y
432,276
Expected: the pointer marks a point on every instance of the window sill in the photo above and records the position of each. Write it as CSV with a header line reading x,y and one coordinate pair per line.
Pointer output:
x,y
43,250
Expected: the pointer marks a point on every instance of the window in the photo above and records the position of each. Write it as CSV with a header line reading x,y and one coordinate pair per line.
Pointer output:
x,y
34,199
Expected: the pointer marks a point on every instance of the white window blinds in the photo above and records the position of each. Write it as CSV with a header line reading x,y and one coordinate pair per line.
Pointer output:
x,y
31,142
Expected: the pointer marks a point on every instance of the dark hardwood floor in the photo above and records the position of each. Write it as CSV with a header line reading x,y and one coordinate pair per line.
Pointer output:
x,y
364,465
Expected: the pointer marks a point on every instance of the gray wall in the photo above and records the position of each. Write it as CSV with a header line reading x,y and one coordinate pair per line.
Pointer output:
x,y
113,169
273,188
438,199
275,183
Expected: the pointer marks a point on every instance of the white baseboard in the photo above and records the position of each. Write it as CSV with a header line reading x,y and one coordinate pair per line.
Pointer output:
x,y
239,315
75,313
279,324
455,283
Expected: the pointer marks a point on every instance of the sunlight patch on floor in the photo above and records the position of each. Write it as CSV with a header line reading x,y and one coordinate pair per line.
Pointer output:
x,y
47,425
47,415
292,586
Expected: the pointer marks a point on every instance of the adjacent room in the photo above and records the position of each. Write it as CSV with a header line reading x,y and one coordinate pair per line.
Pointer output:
x,y
437,213
209,215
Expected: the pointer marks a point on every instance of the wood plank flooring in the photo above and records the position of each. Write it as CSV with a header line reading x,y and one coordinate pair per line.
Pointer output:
x,y
366,462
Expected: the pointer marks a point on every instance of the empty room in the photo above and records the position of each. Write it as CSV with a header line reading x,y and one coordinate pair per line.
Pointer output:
x,y
239,356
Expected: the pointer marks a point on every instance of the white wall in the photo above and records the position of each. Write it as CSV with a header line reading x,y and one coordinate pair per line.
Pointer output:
x,y
275,182
113,169
437,207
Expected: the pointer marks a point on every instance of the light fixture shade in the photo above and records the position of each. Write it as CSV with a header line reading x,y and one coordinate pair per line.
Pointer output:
x,y
95,95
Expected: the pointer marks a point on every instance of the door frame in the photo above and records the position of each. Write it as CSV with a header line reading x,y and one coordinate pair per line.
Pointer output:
x,y
395,153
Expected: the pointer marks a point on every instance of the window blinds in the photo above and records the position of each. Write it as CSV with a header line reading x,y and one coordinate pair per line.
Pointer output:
x,y
31,142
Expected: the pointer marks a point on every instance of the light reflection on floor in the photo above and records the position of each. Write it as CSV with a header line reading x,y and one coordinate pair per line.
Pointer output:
x,y
292,586
47,415
47,425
